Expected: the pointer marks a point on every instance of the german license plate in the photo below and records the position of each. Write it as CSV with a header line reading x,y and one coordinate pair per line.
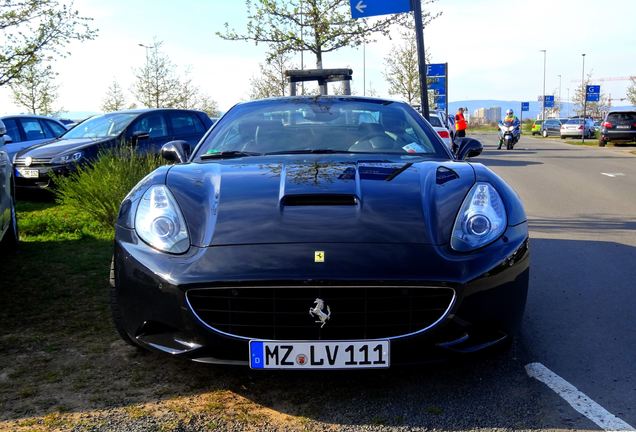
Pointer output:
x,y
29,173
623,127
319,355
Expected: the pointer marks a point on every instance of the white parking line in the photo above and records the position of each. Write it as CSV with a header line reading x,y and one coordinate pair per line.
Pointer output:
x,y
578,400
613,174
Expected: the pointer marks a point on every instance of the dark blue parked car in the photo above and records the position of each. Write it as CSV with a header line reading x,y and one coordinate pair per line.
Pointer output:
x,y
146,129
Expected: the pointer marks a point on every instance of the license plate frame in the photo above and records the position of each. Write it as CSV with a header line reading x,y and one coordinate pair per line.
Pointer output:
x,y
29,172
332,355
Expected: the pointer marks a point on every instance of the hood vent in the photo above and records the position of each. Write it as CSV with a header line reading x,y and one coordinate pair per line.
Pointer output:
x,y
319,200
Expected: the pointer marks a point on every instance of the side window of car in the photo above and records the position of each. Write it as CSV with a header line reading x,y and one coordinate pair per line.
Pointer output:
x,y
12,130
32,129
185,123
56,129
152,124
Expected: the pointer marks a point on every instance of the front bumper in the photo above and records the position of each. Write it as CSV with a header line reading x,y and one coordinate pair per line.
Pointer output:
x,y
43,181
490,286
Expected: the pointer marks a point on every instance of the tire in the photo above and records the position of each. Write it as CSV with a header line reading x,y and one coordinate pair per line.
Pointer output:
x,y
509,145
562,137
534,133
601,143
9,242
545,134
118,320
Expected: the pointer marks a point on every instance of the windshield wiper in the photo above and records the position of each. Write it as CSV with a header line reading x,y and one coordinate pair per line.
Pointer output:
x,y
228,154
313,151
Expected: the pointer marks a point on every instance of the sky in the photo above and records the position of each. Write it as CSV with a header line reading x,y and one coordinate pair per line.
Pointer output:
x,y
492,48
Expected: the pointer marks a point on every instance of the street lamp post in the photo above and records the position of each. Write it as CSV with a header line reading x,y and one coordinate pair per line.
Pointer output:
x,y
543,98
584,97
559,95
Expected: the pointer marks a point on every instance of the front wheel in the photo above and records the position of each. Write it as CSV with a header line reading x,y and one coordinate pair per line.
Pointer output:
x,y
118,319
562,137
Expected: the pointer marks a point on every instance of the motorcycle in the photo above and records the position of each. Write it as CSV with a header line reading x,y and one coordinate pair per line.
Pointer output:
x,y
509,134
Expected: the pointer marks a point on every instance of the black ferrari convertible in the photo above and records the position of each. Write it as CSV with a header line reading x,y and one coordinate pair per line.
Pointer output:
x,y
320,232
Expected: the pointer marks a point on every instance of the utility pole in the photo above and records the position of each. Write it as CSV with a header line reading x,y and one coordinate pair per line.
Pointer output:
x,y
583,92
559,95
543,98
419,35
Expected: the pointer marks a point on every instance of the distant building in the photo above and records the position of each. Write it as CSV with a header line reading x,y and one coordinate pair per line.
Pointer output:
x,y
487,115
493,115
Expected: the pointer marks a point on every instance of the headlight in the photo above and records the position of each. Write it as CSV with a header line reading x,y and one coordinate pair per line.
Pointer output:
x,y
511,129
68,158
481,219
159,221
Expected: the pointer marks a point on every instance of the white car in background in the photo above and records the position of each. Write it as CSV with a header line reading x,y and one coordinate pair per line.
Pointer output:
x,y
435,119
449,121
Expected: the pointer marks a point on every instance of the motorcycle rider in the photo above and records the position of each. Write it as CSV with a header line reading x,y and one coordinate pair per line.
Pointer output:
x,y
510,120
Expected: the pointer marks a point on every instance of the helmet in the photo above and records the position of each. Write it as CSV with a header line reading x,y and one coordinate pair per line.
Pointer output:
x,y
509,112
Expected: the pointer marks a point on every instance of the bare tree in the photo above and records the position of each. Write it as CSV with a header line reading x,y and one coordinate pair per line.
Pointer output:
x,y
593,109
402,70
189,96
317,26
32,31
35,89
208,105
631,92
157,83
271,81
114,99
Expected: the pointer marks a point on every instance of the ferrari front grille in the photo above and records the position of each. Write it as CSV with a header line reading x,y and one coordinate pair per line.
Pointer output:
x,y
283,313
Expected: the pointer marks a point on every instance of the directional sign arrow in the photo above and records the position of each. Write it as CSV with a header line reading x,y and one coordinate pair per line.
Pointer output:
x,y
367,8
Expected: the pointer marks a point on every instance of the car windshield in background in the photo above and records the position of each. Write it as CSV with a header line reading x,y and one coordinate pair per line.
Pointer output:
x,y
435,121
321,125
103,126
575,121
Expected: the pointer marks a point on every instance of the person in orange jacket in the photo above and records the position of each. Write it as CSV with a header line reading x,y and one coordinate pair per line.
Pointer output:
x,y
460,123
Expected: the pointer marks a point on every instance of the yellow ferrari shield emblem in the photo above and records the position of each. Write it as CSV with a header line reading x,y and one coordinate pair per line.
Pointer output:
x,y
319,256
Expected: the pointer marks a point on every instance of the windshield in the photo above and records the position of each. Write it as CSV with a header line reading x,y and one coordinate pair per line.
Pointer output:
x,y
435,121
103,126
322,124
575,121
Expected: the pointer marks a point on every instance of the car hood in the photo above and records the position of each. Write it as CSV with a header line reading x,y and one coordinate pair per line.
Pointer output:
x,y
320,200
60,146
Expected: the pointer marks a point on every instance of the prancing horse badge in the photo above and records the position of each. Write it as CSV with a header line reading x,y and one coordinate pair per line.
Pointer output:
x,y
319,256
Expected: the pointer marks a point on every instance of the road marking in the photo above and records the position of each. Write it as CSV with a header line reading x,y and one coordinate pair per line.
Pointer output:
x,y
578,400
613,174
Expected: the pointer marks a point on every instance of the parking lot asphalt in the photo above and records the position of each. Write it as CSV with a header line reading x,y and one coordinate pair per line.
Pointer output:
x,y
581,207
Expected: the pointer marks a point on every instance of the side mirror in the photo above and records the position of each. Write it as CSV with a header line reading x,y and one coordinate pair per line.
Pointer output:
x,y
7,139
468,148
176,151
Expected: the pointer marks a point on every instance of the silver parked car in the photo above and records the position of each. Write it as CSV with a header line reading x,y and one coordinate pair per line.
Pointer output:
x,y
8,220
26,130
576,127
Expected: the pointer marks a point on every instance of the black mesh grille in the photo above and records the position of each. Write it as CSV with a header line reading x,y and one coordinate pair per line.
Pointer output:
x,y
282,313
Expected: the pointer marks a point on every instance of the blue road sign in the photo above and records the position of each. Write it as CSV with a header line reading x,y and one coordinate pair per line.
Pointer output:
x,y
436,70
549,101
525,106
592,93
438,84
367,8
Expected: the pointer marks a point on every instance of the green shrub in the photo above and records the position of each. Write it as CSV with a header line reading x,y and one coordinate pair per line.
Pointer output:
x,y
99,188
